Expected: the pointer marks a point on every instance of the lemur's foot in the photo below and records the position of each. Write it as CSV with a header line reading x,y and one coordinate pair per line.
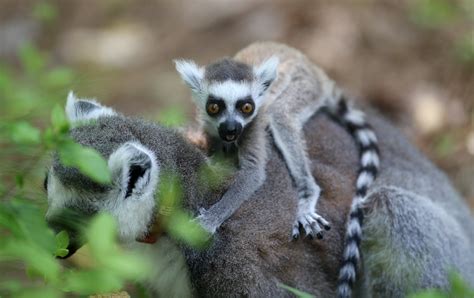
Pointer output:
x,y
309,220
205,221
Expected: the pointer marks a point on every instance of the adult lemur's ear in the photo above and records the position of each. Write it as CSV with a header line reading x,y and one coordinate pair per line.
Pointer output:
x,y
134,170
78,110
191,73
266,72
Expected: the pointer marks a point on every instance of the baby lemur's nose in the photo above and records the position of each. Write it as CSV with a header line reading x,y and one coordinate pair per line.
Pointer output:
x,y
230,130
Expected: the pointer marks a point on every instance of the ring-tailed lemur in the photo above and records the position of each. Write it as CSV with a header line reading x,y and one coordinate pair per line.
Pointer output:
x,y
417,229
231,96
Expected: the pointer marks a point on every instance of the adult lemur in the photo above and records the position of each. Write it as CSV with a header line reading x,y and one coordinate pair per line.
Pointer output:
x,y
235,111
417,228
231,96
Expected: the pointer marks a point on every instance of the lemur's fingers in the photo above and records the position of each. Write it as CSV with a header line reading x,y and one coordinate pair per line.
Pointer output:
x,y
315,228
312,228
295,232
322,221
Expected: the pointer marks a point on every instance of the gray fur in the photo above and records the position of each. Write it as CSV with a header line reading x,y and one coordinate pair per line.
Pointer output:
x,y
413,216
228,69
300,90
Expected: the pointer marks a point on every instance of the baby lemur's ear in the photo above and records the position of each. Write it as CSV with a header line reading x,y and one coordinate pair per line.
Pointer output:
x,y
191,73
134,171
78,110
266,72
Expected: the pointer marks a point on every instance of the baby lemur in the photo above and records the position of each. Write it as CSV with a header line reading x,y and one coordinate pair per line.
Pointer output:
x,y
231,96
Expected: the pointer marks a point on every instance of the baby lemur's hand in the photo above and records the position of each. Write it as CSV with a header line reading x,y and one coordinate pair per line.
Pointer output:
x,y
206,221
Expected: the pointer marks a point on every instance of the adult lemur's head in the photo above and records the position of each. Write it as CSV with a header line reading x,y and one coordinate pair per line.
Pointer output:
x,y
134,170
228,93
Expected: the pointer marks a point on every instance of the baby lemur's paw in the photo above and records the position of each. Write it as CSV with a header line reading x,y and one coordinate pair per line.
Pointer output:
x,y
309,221
206,222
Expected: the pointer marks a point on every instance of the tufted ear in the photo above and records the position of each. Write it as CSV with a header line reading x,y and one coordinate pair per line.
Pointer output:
x,y
266,72
78,110
191,73
134,170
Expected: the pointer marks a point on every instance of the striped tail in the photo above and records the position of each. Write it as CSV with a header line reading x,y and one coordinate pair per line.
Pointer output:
x,y
354,121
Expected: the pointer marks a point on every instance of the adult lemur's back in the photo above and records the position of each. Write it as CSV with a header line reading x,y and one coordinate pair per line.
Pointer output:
x,y
407,179
417,227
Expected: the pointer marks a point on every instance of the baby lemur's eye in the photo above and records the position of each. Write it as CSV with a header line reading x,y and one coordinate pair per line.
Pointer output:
x,y
247,108
213,108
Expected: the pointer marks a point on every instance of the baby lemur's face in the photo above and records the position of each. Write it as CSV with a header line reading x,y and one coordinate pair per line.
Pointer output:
x,y
228,93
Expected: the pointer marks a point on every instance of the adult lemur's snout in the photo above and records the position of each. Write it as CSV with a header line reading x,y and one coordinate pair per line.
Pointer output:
x,y
230,130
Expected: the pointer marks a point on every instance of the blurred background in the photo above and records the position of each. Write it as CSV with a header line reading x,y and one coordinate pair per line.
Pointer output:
x,y
413,60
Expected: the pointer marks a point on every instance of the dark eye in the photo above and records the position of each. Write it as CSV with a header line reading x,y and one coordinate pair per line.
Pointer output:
x,y
247,108
213,108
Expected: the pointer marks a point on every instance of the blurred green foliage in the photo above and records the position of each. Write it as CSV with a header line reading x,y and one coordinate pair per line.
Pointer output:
x,y
177,222
45,12
458,289
32,126
447,14
27,239
27,94
173,116
296,292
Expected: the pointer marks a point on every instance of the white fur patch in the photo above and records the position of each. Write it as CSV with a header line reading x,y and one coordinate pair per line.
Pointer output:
x,y
230,91
58,195
354,228
135,212
351,250
366,136
370,157
364,179
75,114
191,74
267,70
347,270
355,116
356,203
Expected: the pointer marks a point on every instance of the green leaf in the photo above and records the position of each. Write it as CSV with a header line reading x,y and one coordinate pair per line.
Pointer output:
x,y
101,235
19,181
45,12
430,294
58,120
216,172
61,252
34,256
172,116
59,77
465,48
62,239
169,193
433,13
459,287
181,226
39,292
87,160
31,59
128,265
6,81
62,242
296,292
24,133
87,282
